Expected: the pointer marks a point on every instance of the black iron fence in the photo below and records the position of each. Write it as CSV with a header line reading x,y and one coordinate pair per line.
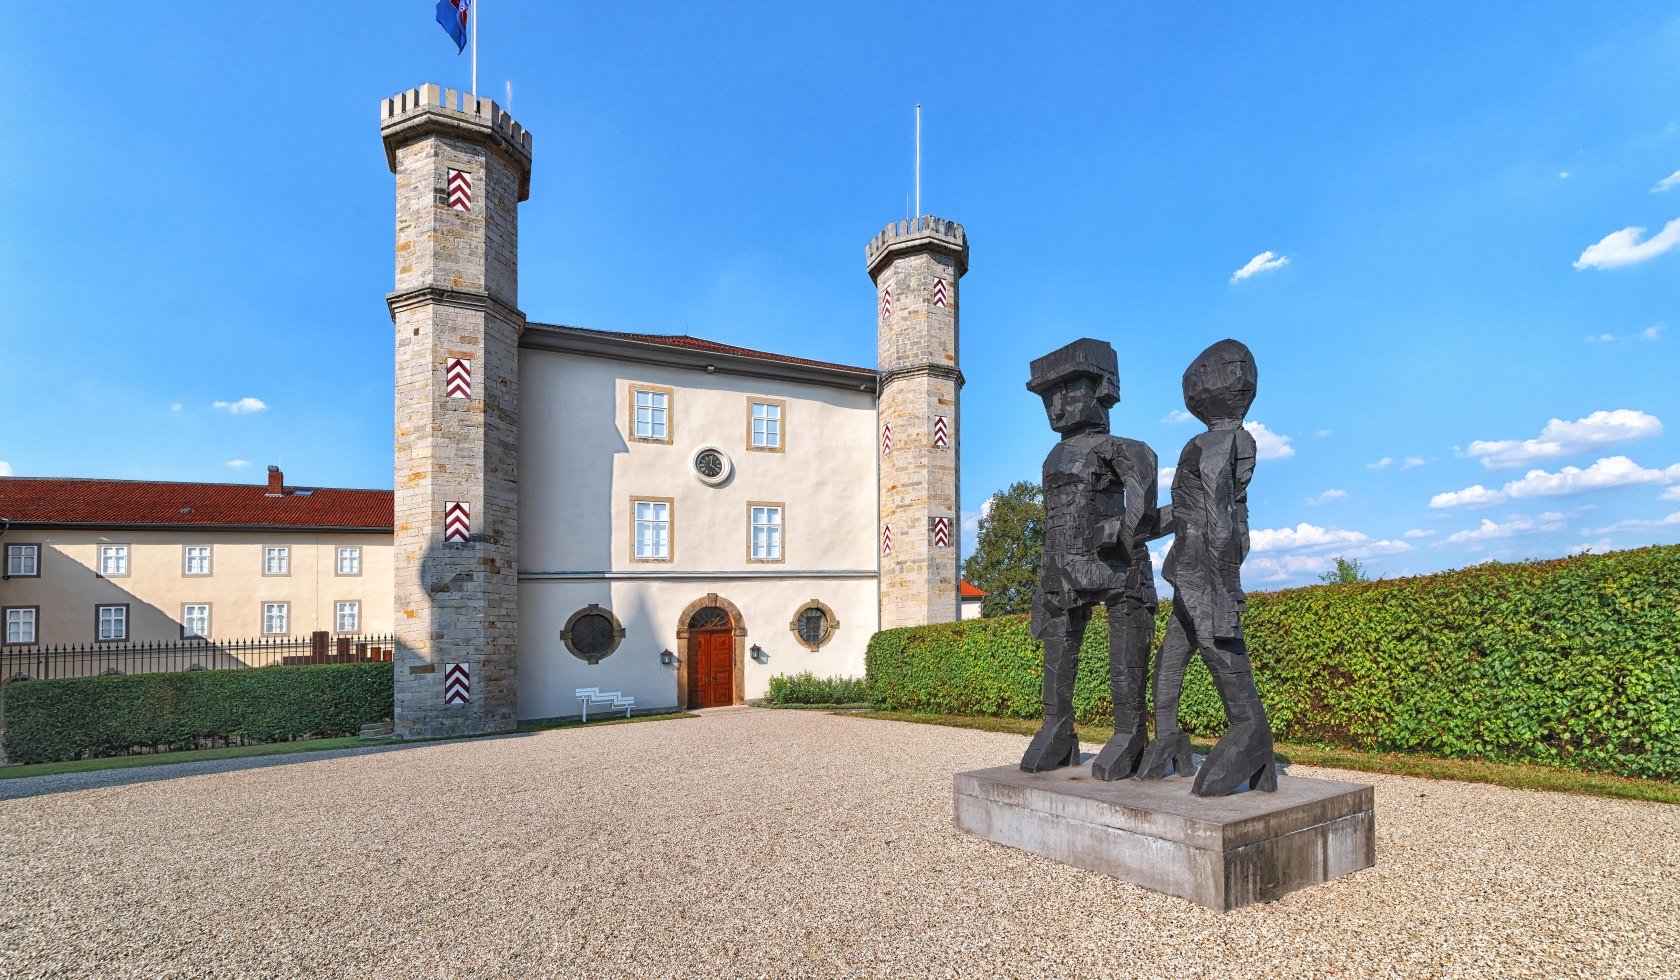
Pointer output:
x,y
89,659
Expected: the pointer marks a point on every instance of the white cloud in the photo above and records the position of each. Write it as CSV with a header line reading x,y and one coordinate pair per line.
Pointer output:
x,y
1164,476
1625,248
5,468
1490,530
1563,175
1560,438
1652,332
1418,532
176,407
1324,433
1177,415
243,406
1649,334
1381,464
1286,567
1263,262
1667,183
1671,520
1672,493
1601,338
1611,471
1311,537
239,464
1327,496
1412,461
1476,496
1598,547
1268,444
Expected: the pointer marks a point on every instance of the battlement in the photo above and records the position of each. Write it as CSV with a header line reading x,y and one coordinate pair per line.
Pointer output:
x,y
431,108
925,232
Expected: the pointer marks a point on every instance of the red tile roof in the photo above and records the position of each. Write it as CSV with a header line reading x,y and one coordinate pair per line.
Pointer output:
x,y
696,343
135,503
970,592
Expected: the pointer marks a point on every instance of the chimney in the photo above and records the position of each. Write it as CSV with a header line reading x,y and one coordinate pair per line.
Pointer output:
x,y
276,482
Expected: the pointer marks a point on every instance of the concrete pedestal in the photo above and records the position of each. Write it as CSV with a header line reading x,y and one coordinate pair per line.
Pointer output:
x,y
1222,853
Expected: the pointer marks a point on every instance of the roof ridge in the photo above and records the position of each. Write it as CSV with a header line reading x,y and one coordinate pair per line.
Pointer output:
x,y
189,483
672,338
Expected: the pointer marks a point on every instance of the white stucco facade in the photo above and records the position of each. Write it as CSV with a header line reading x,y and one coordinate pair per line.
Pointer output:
x,y
581,468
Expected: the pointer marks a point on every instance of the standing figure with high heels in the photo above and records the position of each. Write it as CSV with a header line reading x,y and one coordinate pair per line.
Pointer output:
x,y
1209,516
1099,510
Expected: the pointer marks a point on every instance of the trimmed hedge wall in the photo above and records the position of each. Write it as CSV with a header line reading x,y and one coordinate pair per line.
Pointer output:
x,y
1573,662
87,717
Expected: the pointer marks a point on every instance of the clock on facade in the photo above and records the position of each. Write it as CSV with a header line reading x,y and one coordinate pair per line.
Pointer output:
x,y
712,465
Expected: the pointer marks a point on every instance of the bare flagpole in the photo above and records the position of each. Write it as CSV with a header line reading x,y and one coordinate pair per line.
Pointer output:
x,y
475,49
918,214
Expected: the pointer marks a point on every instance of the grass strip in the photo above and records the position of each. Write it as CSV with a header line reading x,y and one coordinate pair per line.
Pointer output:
x,y
282,748
1515,776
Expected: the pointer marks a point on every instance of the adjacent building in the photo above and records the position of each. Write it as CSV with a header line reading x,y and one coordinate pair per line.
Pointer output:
x,y
121,561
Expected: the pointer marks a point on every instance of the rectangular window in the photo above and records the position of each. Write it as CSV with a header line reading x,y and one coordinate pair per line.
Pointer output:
x,y
23,560
113,560
195,620
20,624
347,617
195,559
274,618
349,561
650,414
766,426
766,532
653,530
277,560
113,622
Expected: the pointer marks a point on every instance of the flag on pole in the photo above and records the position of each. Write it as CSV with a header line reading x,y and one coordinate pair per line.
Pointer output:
x,y
452,14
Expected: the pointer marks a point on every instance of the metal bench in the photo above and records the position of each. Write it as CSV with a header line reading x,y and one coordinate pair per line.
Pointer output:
x,y
600,698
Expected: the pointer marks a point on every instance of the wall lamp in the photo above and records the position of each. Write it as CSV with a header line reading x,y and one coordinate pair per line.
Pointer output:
x,y
667,658
759,655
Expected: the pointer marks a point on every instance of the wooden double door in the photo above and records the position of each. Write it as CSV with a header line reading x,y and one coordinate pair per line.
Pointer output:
x,y
711,659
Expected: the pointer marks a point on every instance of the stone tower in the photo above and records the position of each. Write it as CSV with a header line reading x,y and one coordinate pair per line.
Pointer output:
x,y
462,166
916,266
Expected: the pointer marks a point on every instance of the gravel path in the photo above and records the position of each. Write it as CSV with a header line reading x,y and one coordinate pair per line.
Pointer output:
x,y
772,843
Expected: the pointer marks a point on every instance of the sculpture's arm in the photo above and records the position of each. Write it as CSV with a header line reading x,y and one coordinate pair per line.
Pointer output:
x,y
1163,523
1226,526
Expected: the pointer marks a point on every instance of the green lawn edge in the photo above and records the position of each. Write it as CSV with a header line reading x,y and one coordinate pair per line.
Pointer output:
x,y
1514,776
287,748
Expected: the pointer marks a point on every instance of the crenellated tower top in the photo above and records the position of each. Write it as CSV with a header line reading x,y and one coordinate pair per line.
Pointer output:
x,y
926,233
432,109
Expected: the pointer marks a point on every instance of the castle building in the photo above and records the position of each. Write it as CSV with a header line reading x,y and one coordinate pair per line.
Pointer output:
x,y
668,518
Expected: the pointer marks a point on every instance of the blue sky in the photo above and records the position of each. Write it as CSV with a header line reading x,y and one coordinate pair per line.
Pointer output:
x,y
200,214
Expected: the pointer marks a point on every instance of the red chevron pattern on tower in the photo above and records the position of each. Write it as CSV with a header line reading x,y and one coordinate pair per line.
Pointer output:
x,y
941,432
457,378
457,520
886,539
939,294
457,684
460,191
886,301
886,438
941,532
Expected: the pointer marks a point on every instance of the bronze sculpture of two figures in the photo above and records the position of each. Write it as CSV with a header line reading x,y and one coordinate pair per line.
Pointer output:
x,y
1101,511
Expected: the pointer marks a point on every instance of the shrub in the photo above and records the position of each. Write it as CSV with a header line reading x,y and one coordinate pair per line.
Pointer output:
x,y
1573,662
807,688
87,717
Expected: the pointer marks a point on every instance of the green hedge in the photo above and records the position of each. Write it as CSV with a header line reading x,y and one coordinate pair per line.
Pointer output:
x,y
88,717
808,688
1573,662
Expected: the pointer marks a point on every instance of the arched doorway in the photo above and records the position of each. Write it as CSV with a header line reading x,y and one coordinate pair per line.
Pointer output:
x,y
712,637
711,658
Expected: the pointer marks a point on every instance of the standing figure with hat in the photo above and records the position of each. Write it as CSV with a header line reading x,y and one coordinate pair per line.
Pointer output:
x,y
1100,510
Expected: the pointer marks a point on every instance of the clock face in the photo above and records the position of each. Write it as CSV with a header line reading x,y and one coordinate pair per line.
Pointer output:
x,y
709,464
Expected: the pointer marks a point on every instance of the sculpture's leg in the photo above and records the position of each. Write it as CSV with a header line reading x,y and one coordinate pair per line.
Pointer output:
x,y
1131,629
1169,751
1245,751
1057,744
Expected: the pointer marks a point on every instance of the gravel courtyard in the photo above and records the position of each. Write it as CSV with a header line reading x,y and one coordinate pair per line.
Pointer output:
x,y
752,842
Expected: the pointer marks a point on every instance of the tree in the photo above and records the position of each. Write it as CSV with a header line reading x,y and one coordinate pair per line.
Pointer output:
x,y
1346,570
1010,547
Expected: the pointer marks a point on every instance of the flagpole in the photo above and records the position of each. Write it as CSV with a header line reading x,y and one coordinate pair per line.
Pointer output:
x,y
475,50
918,214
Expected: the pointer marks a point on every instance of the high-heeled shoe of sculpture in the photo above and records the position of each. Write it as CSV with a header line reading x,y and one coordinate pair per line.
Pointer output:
x,y
1053,747
1167,754
1119,758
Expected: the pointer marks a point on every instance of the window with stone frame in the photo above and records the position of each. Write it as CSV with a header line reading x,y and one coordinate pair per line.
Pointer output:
x,y
650,413
195,559
347,617
21,623
23,560
274,618
112,622
349,561
195,620
813,625
277,560
652,529
113,560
